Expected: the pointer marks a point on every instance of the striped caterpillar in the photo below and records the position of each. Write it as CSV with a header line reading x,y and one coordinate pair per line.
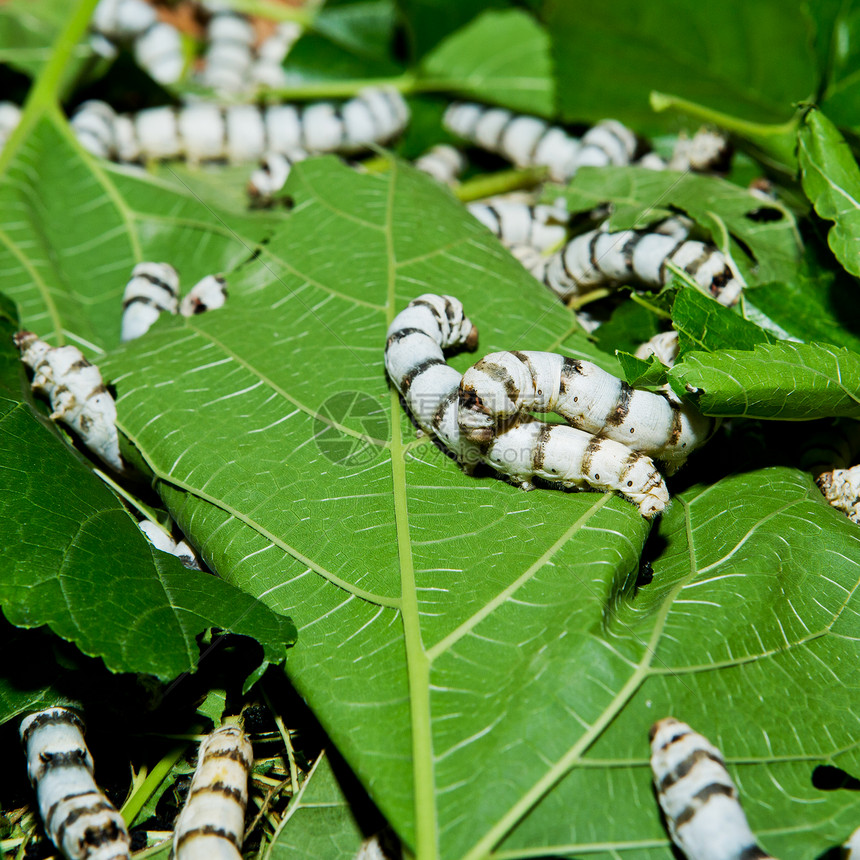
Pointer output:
x,y
530,142
698,797
77,394
555,453
600,257
239,133
162,541
442,162
541,227
78,818
157,46
504,386
154,287
211,824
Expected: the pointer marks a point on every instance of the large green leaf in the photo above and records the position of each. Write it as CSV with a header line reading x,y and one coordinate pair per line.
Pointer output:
x,y
789,381
838,28
639,197
501,57
831,180
750,60
73,559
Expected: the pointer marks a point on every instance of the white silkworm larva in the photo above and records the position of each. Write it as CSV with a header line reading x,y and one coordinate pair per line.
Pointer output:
x,y
600,257
528,141
76,392
841,488
153,288
268,67
541,226
664,345
698,797
230,54
443,162
10,116
706,152
162,541
556,453
272,174
157,45
78,818
208,294
505,385
211,824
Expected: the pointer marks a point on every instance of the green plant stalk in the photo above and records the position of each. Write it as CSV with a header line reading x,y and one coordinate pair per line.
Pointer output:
x,y
44,94
499,183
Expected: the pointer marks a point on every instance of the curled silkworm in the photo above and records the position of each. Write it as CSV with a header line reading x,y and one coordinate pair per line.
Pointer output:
x,y
211,824
162,541
664,345
503,386
841,488
157,46
443,162
76,392
528,141
153,288
208,294
542,226
698,797
601,257
78,818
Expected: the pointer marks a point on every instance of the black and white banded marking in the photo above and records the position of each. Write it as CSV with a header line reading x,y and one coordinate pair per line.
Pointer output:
x,y
540,226
77,394
504,386
530,142
152,288
698,797
157,45
526,449
212,822
603,258
443,162
208,294
78,818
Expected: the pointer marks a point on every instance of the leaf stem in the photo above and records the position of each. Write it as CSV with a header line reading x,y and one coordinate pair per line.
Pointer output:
x,y
499,183
44,92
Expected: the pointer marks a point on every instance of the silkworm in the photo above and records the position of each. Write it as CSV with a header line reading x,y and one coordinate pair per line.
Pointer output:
x,y
541,226
528,449
78,818
211,824
664,345
230,50
698,797
505,385
601,257
841,488
268,68
157,45
208,294
163,542
272,174
76,392
153,288
530,142
706,152
443,162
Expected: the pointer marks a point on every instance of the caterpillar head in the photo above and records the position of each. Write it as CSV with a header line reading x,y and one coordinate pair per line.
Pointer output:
x,y
643,484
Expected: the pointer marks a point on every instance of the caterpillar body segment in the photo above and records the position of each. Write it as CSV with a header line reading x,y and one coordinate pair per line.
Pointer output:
x,y
268,67
698,797
208,294
93,124
78,818
841,488
505,385
542,227
76,392
530,142
157,45
706,152
212,822
600,257
152,288
230,51
443,162
272,174
664,345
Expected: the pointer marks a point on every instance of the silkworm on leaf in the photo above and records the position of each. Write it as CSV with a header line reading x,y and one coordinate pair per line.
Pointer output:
x,y
211,824
152,288
76,392
430,387
78,818
272,174
443,162
208,294
698,797
505,385
664,345
541,226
